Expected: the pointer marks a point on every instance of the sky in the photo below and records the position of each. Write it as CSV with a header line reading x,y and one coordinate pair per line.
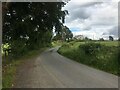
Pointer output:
x,y
92,18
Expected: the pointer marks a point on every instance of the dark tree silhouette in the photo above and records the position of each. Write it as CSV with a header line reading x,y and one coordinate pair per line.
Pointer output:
x,y
29,25
101,39
118,39
64,35
111,38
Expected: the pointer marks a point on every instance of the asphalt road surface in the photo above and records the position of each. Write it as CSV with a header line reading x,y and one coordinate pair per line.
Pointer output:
x,y
51,70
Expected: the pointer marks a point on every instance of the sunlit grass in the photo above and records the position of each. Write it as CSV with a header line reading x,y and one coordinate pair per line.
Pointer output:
x,y
106,58
109,43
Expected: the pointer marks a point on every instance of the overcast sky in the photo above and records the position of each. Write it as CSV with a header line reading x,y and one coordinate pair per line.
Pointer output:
x,y
93,19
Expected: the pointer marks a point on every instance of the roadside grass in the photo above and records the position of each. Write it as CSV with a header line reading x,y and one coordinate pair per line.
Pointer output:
x,y
8,74
57,43
102,55
9,67
109,43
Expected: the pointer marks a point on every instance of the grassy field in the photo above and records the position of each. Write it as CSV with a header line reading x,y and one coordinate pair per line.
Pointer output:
x,y
101,55
109,43
57,43
9,67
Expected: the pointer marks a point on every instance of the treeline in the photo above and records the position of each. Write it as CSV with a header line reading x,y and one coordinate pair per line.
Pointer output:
x,y
29,25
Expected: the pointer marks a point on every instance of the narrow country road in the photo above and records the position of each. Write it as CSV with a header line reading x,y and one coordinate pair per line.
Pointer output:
x,y
51,70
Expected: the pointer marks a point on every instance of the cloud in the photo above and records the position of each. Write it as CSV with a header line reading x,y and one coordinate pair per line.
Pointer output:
x,y
114,31
89,4
93,17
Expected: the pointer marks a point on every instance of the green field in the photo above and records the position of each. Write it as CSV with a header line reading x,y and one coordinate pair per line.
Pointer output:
x,y
109,43
101,55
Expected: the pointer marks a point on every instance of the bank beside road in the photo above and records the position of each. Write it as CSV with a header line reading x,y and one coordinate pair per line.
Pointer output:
x,y
100,55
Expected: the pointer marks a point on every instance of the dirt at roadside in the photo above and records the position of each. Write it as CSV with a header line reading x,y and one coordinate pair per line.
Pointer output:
x,y
22,72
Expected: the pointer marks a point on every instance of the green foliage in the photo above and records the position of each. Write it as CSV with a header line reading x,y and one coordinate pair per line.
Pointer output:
x,y
5,48
118,39
101,39
65,34
9,67
66,45
109,43
28,25
57,43
103,57
111,38
90,48
9,73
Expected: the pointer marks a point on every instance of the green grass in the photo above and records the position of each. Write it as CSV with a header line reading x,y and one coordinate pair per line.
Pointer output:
x,y
9,73
104,58
57,43
109,43
9,67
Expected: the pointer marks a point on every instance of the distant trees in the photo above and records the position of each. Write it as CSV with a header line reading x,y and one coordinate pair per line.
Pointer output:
x,y
67,34
86,38
111,38
64,35
118,39
101,39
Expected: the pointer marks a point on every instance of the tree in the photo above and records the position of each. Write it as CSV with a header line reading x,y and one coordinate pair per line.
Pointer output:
x,y
111,38
86,38
118,39
101,39
69,34
29,25
64,35
5,7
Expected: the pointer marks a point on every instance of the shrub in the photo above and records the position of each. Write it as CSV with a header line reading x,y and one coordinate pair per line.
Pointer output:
x,y
94,54
90,48
66,45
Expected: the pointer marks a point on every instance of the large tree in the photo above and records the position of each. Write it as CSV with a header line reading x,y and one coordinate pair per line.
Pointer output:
x,y
29,25
111,38
64,35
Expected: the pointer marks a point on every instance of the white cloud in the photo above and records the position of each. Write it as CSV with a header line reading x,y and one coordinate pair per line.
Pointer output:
x,y
93,18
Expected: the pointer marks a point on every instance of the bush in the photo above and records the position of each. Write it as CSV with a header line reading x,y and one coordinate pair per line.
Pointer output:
x,y
90,48
94,54
66,45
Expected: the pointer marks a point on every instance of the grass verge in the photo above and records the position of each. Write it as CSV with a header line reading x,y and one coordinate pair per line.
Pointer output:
x,y
57,43
103,57
9,67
